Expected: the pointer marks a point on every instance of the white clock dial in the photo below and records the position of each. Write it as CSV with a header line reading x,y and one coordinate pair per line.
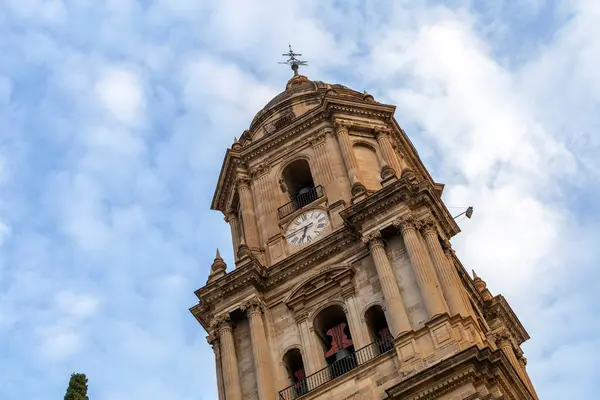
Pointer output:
x,y
306,227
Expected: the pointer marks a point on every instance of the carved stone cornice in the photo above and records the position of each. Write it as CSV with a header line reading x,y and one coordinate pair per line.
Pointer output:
x,y
382,131
471,365
498,308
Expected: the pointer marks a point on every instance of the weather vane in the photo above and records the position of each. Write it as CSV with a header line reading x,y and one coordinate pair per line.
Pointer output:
x,y
293,61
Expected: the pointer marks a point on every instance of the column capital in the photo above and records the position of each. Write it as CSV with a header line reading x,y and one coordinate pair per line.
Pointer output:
x,y
317,139
243,182
222,323
405,222
253,306
382,131
373,239
502,339
230,214
213,340
260,170
341,125
428,226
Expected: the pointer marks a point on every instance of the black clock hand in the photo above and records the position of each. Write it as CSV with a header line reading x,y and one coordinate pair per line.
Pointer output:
x,y
304,233
298,230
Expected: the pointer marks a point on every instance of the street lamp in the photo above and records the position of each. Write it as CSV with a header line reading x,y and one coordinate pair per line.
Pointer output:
x,y
468,213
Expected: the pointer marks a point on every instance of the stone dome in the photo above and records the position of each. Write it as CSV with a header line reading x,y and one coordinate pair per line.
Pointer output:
x,y
299,97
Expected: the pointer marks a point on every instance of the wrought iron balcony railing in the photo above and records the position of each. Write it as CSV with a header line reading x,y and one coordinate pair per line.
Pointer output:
x,y
300,201
337,368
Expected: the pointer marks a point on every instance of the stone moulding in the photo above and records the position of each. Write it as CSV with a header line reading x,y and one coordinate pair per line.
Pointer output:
x,y
403,190
472,364
499,308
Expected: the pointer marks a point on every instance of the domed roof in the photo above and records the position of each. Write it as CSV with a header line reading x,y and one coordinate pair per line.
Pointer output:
x,y
302,95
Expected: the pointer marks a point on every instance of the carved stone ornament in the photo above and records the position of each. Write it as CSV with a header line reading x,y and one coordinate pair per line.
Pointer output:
x,y
428,226
358,189
220,322
405,222
387,172
243,182
342,125
260,170
212,339
382,130
373,239
316,139
502,338
269,128
252,305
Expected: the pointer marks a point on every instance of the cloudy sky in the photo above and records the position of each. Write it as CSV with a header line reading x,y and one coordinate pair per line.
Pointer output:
x,y
115,115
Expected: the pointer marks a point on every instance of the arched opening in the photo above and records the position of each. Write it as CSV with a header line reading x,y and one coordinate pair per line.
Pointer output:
x,y
294,365
369,167
297,181
379,330
331,326
298,178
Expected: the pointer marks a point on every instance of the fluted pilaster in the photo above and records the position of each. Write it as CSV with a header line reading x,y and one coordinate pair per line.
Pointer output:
x,y
231,377
213,340
504,342
349,158
264,192
260,350
359,336
395,310
234,226
248,214
449,253
387,151
448,278
426,279
323,171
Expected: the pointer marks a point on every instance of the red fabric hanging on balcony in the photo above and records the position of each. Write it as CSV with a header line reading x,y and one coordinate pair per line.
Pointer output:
x,y
339,339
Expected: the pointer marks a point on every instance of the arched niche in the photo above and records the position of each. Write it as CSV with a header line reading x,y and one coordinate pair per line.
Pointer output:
x,y
298,179
378,329
294,365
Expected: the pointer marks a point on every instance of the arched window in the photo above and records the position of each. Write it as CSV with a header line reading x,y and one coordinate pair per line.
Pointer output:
x,y
297,181
331,326
379,330
294,365
368,166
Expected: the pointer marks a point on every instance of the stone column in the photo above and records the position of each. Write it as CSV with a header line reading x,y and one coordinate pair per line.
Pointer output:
x,y
231,377
260,350
447,276
395,311
234,225
449,253
248,214
430,291
504,342
359,336
308,356
385,146
349,158
342,185
214,342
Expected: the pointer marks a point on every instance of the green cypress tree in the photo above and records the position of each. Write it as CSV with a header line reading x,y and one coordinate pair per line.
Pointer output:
x,y
77,389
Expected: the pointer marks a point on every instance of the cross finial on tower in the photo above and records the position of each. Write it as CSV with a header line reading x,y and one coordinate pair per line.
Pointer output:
x,y
293,61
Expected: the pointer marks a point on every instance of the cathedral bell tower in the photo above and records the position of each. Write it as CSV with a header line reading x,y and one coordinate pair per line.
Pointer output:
x,y
345,284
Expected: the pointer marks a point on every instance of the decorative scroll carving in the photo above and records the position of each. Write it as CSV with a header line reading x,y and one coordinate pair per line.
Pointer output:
x,y
260,170
373,239
253,305
405,222
428,226
316,139
243,182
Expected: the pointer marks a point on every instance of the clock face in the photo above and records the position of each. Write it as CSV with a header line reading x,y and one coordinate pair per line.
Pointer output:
x,y
306,227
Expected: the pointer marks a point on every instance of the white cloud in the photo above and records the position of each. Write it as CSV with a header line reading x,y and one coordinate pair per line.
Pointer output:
x,y
76,305
120,91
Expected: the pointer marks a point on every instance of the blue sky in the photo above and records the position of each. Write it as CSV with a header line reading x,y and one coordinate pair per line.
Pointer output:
x,y
115,115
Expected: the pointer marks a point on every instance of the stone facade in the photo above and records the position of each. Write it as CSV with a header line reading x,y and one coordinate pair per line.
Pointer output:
x,y
345,283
